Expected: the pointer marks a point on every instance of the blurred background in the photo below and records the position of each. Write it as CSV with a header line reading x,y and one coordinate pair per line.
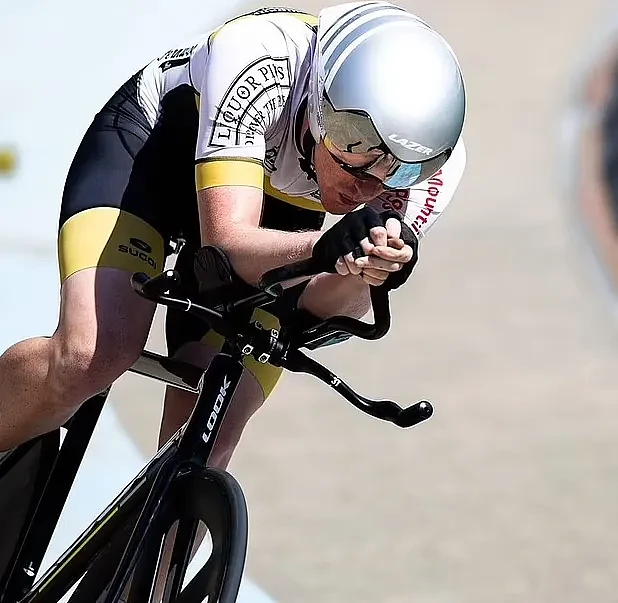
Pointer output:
x,y
510,492
589,145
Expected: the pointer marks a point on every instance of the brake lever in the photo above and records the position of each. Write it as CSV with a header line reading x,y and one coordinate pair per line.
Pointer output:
x,y
386,410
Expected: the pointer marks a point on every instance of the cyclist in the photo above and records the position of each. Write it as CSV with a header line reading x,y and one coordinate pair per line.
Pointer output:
x,y
245,138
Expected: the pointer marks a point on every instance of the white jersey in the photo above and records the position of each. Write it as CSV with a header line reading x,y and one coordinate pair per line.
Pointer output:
x,y
250,79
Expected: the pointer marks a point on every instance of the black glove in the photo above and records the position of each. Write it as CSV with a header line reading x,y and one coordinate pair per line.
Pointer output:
x,y
396,279
344,237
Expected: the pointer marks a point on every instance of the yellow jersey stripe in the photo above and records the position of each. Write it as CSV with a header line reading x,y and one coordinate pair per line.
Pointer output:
x,y
229,172
311,20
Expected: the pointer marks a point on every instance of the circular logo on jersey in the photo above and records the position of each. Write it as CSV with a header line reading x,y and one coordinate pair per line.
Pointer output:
x,y
254,96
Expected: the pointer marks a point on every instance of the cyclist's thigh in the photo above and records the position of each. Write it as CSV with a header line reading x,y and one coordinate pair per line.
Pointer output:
x,y
103,324
110,227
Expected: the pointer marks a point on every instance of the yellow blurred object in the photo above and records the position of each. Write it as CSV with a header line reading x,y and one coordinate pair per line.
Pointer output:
x,y
8,161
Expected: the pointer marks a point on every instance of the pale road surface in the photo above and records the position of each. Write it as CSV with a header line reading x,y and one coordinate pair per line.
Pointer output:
x,y
510,492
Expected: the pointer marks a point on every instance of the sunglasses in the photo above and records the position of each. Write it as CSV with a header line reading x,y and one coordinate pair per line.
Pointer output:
x,y
342,127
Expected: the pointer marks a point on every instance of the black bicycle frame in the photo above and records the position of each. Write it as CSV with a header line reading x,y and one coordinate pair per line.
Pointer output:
x,y
52,496
188,450
193,450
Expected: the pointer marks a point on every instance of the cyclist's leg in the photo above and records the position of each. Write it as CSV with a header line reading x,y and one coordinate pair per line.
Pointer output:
x,y
103,324
102,328
257,382
179,404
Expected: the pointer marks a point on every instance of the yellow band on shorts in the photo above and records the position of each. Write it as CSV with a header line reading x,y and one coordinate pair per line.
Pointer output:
x,y
109,237
229,172
266,375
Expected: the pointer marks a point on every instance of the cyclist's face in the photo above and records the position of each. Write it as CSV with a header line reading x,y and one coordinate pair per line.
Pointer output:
x,y
340,191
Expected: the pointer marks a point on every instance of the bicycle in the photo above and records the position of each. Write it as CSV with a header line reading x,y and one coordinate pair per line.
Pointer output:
x,y
176,488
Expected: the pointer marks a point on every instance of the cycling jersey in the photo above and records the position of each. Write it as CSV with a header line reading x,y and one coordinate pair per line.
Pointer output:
x,y
250,79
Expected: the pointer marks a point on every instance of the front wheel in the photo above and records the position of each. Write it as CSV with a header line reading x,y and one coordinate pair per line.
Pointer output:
x,y
210,501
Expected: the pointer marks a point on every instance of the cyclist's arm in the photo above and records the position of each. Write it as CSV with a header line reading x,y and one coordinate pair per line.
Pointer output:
x,y
229,218
244,77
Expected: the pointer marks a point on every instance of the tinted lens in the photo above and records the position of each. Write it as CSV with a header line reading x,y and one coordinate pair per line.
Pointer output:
x,y
348,131
405,176
408,174
354,132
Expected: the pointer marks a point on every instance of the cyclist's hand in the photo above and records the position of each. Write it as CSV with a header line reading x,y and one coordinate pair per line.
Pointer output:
x,y
376,268
379,236
346,264
395,250
389,234
341,239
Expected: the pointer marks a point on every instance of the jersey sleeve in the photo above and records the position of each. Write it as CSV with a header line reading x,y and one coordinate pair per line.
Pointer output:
x,y
423,204
243,78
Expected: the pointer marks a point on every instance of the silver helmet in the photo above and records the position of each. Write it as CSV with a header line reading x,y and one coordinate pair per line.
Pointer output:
x,y
382,79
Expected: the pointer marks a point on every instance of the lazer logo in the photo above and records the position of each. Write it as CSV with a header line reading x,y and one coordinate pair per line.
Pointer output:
x,y
139,249
409,144
214,415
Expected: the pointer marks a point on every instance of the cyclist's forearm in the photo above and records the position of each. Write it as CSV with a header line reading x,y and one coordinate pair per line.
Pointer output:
x,y
331,294
230,218
253,250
